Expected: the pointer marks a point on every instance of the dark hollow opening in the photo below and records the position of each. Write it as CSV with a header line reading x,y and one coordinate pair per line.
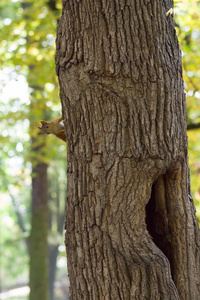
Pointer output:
x,y
157,218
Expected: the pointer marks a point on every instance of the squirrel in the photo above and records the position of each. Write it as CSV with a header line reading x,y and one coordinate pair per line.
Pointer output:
x,y
55,127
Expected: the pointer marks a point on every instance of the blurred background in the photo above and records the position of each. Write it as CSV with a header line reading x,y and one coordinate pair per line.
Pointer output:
x,y
32,165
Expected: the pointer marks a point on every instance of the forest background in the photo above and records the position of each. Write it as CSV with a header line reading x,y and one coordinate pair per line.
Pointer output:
x,y
29,92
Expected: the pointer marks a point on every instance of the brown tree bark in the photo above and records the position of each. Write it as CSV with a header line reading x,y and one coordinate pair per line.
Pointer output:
x,y
131,230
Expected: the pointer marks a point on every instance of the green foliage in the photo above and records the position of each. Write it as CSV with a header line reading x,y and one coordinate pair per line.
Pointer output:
x,y
27,49
187,18
13,265
29,94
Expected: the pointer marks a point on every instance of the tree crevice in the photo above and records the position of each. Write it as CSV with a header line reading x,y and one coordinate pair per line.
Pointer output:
x,y
167,221
157,217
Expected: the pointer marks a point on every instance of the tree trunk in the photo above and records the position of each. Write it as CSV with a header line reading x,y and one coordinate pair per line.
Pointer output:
x,y
131,230
59,215
53,254
39,233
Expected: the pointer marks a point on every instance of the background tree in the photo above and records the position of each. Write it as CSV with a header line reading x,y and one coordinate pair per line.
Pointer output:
x,y
131,230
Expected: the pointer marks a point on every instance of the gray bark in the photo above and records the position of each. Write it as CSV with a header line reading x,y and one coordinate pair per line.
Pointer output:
x,y
131,230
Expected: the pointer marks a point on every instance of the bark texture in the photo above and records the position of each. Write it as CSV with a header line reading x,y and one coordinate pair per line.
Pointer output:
x,y
131,230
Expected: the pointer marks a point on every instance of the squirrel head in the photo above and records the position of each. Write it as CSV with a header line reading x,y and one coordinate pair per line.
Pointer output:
x,y
45,127
55,127
52,127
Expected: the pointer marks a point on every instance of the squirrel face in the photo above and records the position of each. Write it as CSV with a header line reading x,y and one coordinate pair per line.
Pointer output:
x,y
55,127
45,127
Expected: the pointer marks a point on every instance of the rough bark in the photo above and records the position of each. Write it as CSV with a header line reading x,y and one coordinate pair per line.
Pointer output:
x,y
131,230
39,233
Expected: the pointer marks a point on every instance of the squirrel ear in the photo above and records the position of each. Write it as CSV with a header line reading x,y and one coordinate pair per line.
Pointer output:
x,y
43,122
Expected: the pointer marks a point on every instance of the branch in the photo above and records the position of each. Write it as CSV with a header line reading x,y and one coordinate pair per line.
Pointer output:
x,y
52,5
193,126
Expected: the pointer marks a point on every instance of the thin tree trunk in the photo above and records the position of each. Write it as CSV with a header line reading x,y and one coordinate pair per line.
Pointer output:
x,y
53,248
53,253
131,230
39,233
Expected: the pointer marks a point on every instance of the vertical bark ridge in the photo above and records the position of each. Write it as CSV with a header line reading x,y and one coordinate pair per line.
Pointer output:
x,y
118,188
134,36
148,132
119,68
116,198
171,227
117,219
